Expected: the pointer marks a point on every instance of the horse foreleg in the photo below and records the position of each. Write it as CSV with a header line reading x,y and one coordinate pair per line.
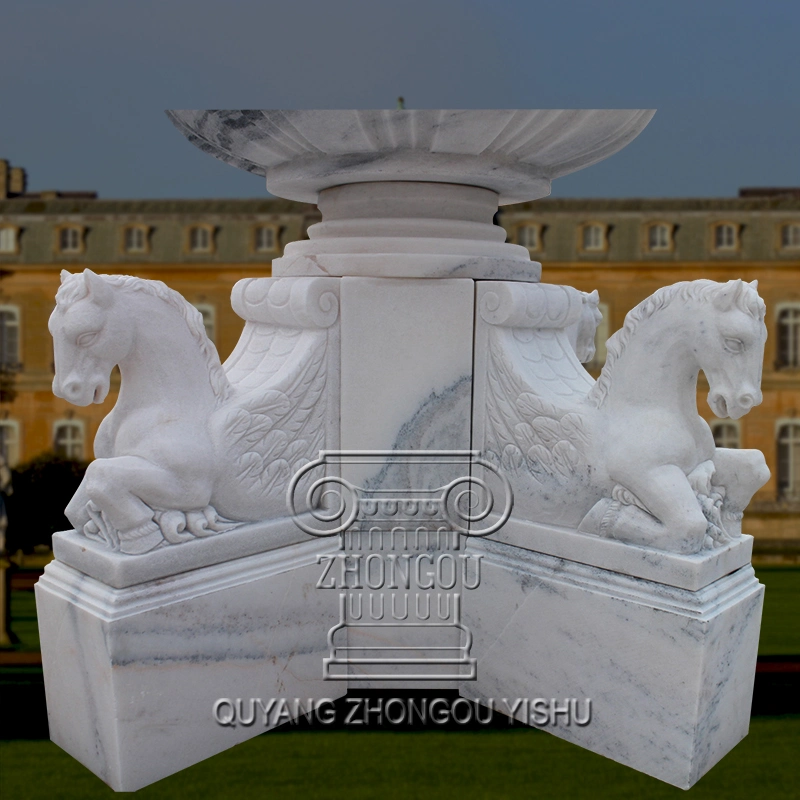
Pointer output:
x,y
128,489
673,520
741,473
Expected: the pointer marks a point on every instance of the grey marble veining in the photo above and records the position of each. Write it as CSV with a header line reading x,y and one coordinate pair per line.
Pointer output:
x,y
150,661
669,671
515,152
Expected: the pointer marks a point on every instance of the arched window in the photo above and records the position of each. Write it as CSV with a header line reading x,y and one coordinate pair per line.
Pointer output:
x,y
201,239
790,236
726,434
789,336
9,337
265,239
530,236
593,237
659,237
209,313
726,236
68,439
9,441
789,461
70,239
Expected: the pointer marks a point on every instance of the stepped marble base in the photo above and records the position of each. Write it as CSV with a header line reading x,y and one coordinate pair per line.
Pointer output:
x,y
132,675
669,671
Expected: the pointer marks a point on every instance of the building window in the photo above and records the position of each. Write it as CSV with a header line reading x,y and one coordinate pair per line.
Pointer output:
x,y
265,239
790,236
530,236
70,239
789,336
789,461
68,439
593,237
725,236
209,314
135,239
726,434
9,337
659,237
9,441
8,239
200,239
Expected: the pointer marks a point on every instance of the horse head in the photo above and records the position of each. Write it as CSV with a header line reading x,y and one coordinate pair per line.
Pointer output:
x,y
732,353
89,337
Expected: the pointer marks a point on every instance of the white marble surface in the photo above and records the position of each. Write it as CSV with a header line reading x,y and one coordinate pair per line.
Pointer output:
x,y
194,448
628,457
690,571
131,675
669,672
515,153
405,324
120,570
406,371
408,229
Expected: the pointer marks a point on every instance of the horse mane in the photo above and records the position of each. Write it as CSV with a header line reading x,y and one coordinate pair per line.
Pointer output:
x,y
724,296
74,288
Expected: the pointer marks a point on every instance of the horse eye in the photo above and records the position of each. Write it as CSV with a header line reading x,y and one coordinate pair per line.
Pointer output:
x,y
86,339
734,345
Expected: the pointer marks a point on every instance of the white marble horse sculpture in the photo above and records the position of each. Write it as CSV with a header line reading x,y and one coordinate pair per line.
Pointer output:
x,y
185,450
628,457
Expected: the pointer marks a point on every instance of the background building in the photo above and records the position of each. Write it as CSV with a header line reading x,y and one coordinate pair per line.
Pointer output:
x,y
624,248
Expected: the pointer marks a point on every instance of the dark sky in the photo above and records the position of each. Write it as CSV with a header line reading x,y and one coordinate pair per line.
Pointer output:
x,y
83,83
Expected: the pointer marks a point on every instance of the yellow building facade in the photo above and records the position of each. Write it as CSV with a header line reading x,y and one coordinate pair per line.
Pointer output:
x,y
626,249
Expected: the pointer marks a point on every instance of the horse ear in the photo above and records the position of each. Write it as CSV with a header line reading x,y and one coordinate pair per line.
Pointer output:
x,y
594,296
754,284
726,296
65,275
99,290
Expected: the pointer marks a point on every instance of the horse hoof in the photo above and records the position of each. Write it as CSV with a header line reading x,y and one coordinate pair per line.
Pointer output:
x,y
142,539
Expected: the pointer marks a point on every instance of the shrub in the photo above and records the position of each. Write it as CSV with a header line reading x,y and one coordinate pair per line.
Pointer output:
x,y
42,487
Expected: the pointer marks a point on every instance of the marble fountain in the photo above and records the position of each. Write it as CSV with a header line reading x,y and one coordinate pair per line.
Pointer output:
x,y
405,422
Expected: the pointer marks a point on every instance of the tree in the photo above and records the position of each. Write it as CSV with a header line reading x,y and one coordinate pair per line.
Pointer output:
x,y
42,488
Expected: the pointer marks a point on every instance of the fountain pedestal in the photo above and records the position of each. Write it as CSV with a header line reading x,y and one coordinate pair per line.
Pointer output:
x,y
396,299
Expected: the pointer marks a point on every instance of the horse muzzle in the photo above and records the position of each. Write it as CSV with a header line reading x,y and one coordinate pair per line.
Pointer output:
x,y
734,408
80,393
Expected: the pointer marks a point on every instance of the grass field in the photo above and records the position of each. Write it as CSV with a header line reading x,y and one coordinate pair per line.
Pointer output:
x,y
780,623
352,766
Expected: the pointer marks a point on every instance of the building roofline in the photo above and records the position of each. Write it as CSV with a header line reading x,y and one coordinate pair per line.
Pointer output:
x,y
83,205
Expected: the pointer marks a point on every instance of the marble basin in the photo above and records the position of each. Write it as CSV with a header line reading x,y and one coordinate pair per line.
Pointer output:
x,y
515,153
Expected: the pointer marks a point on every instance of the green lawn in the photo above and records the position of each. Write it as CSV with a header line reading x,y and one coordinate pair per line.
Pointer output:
x,y
23,619
352,766
780,624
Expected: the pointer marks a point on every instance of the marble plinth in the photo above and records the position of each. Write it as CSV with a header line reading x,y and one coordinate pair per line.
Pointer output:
x,y
669,671
119,570
132,675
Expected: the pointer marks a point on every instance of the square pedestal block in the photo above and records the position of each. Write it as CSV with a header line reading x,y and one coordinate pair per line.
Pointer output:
x,y
406,369
132,674
669,671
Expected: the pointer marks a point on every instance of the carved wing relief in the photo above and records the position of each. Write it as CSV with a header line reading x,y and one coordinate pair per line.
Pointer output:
x,y
276,420
540,428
